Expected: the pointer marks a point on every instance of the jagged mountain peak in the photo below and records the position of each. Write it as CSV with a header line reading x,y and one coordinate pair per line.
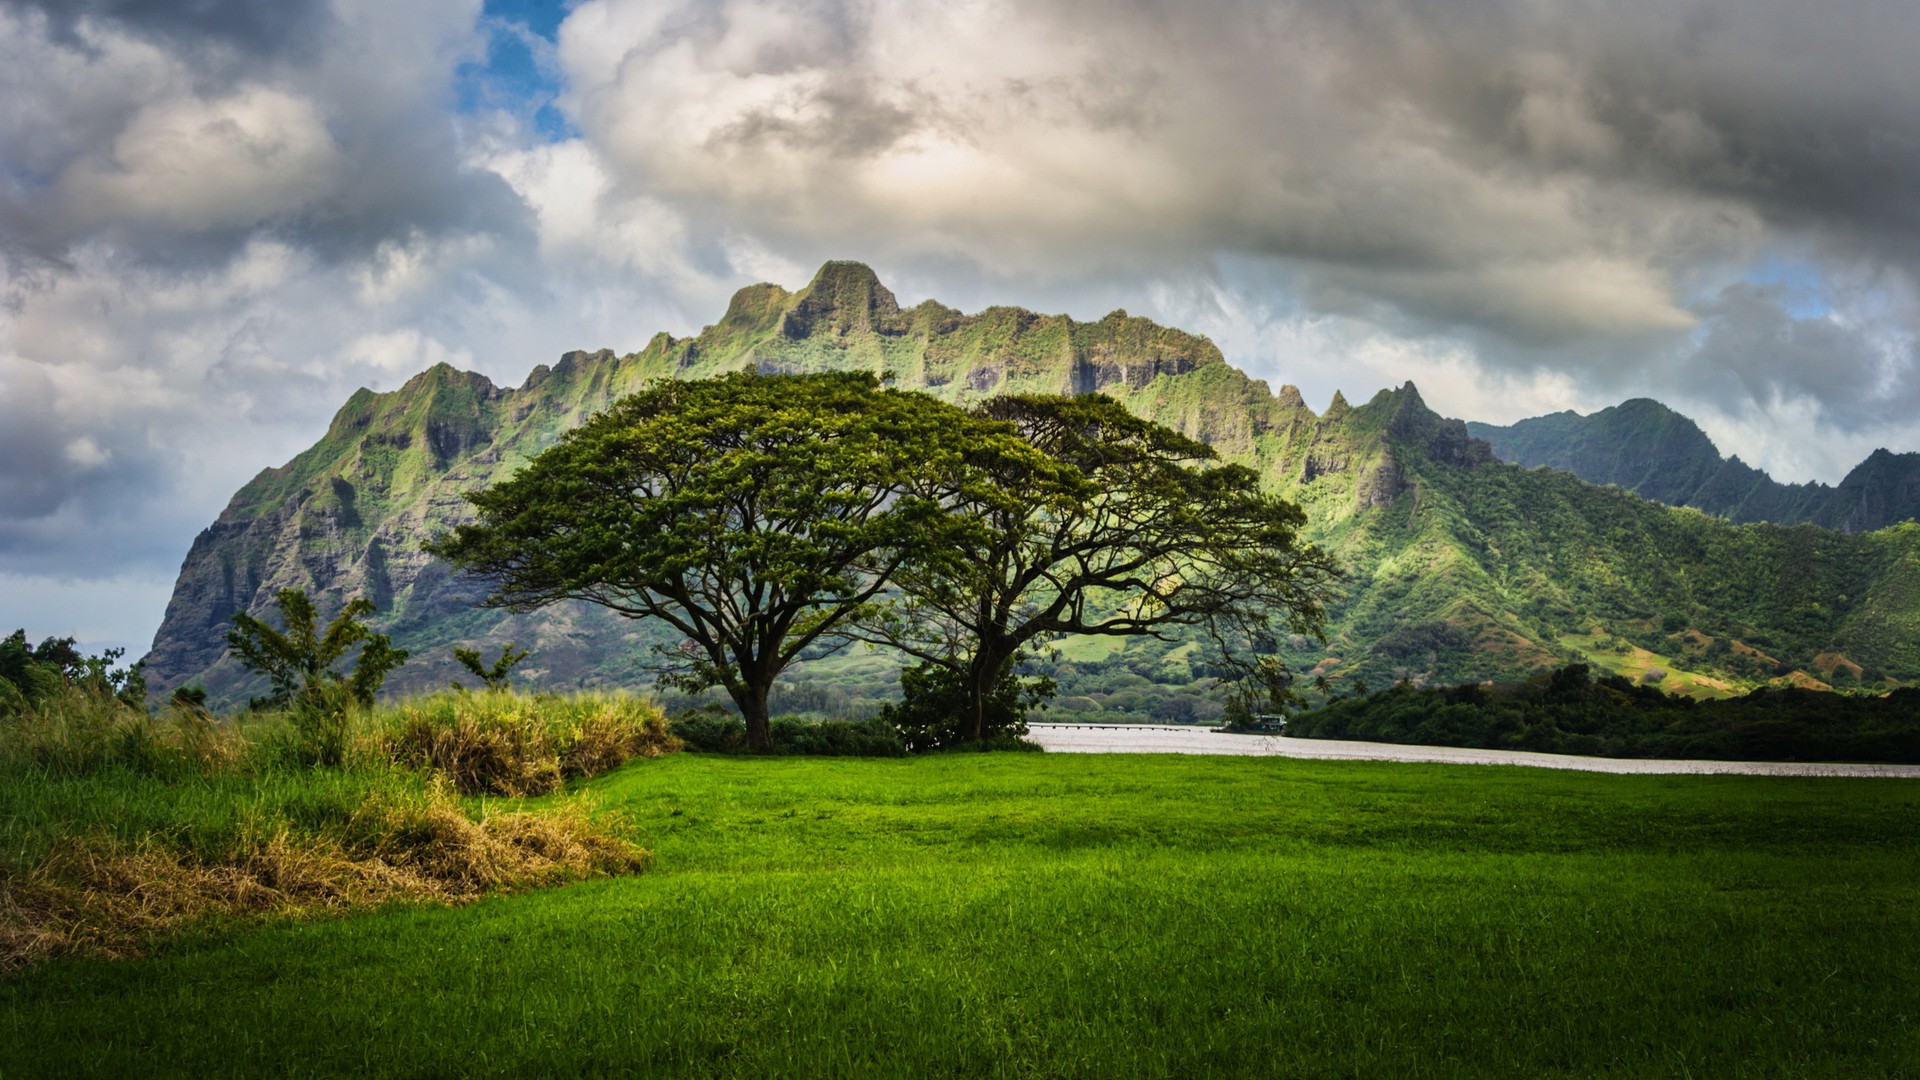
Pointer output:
x,y
843,298
752,303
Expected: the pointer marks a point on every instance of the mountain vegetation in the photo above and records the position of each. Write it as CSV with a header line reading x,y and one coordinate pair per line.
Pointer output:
x,y
1651,450
1567,711
1457,566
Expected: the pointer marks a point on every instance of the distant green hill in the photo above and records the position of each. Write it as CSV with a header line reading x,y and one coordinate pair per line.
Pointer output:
x,y
1460,566
1649,449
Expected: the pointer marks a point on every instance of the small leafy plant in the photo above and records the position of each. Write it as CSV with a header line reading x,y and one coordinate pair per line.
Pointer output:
x,y
299,661
492,676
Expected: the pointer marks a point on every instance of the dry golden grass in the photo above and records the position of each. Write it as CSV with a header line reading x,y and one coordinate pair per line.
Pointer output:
x,y
74,731
89,897
189,819
507,744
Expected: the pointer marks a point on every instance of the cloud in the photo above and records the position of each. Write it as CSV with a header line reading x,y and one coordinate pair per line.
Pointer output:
x,y
1058,139
112,130
193,164
218,218
269,26
1539,177
1842,373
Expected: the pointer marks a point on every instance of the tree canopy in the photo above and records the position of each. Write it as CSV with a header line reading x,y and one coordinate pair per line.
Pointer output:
x,y
755,514
1127,528
28,674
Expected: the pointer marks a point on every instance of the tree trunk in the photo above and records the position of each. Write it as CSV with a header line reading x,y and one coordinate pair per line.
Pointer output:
x,y
752,701
983,677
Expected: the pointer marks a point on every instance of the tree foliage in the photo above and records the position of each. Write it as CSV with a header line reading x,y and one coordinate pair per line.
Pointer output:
x,y
1567,710
755,514
29,673
299,659
1126,528
492,676
936,709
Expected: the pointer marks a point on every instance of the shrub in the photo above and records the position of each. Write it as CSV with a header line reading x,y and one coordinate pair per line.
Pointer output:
x,y
77,730
322,715
298,659
372,841
29,674
713,729
935,702
116,826
492,676
997,742
872,737
710,728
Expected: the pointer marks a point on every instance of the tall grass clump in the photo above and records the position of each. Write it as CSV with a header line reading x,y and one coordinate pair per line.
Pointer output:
x,y
117,827
77,731
495,742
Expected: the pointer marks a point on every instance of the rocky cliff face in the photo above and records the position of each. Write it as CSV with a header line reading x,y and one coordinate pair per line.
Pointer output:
x,y
1649,449
1435,532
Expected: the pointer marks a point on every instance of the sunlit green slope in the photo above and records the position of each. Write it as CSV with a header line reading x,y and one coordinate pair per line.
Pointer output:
x,y
1460,566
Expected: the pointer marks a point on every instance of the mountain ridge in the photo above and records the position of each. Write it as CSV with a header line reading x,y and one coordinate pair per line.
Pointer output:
x,y
1648,448
1460,566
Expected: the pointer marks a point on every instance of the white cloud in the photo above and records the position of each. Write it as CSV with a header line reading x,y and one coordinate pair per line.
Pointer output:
x,y
193,164
87,454
396,355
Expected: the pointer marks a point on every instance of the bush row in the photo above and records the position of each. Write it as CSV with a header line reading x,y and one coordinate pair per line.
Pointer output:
x,y
1567,711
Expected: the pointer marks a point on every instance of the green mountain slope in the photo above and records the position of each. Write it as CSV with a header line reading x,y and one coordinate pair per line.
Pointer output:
x,y
1460,566
1649,449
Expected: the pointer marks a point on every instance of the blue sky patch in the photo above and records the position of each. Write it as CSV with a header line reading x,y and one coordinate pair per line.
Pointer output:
x,y
518,75
1802,290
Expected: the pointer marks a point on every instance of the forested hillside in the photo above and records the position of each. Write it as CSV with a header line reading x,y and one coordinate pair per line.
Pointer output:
x,y
1649,449
1459,566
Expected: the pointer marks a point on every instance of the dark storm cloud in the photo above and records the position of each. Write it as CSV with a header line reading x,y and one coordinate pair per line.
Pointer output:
x,y
1542,173
62,472
255,26
1809,112
1754,355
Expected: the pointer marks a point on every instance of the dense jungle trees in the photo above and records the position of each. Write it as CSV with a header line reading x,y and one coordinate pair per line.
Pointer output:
x,y
29,673
767,517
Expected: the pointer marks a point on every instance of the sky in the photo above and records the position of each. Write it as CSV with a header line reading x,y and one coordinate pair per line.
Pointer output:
x,y
220,217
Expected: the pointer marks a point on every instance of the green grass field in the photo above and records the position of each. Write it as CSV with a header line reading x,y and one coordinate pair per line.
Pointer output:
x,y
1060,915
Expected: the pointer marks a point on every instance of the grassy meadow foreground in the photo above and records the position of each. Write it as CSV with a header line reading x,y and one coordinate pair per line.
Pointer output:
x,y
1023,914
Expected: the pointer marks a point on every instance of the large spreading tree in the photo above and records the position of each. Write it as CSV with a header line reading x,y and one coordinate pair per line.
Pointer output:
x,y
755,514
1129,528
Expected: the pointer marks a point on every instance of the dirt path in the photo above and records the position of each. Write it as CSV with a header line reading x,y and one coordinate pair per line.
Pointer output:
x,y
1154,739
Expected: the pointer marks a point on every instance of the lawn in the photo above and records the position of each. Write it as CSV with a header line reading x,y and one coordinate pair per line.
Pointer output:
x,y
1055,915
